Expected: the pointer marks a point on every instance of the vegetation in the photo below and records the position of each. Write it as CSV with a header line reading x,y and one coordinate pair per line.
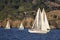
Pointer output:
x,y
18,9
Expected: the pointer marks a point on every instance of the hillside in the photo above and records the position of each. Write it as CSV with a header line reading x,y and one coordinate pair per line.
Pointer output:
x,y
15,9
25,10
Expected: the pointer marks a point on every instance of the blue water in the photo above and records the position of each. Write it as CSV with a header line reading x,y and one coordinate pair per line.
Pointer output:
x,y
15,34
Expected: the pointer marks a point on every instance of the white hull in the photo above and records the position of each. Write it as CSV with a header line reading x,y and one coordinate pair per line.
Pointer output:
x,y
38,31
7,27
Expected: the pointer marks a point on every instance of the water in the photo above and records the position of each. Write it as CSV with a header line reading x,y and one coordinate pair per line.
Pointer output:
x,y
15,34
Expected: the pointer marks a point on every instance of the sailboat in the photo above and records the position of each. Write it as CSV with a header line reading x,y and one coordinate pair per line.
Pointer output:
x,y
41,23
7,25
21,27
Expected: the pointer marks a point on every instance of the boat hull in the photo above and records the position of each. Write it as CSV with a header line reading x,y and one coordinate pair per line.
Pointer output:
x,y
38,31
7,28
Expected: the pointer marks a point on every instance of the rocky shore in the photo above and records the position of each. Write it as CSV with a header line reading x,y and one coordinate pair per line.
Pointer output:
x,y
27,22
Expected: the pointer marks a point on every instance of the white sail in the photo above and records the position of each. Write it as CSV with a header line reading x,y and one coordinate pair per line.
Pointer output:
x,y
46,20
36,24
21,27
42,22
7,25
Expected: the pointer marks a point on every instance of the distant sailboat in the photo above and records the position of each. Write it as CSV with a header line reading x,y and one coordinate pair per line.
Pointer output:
x,y
7,25
21,27
40,24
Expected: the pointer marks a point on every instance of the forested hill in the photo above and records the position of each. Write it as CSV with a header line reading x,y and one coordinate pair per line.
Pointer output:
x,y
16,9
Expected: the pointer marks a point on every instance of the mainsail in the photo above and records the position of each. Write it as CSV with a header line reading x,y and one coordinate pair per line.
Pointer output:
x,y
7,25
36,24
21,27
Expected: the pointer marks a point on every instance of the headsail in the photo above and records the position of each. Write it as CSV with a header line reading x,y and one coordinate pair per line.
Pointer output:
x,y
7,25
21,27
